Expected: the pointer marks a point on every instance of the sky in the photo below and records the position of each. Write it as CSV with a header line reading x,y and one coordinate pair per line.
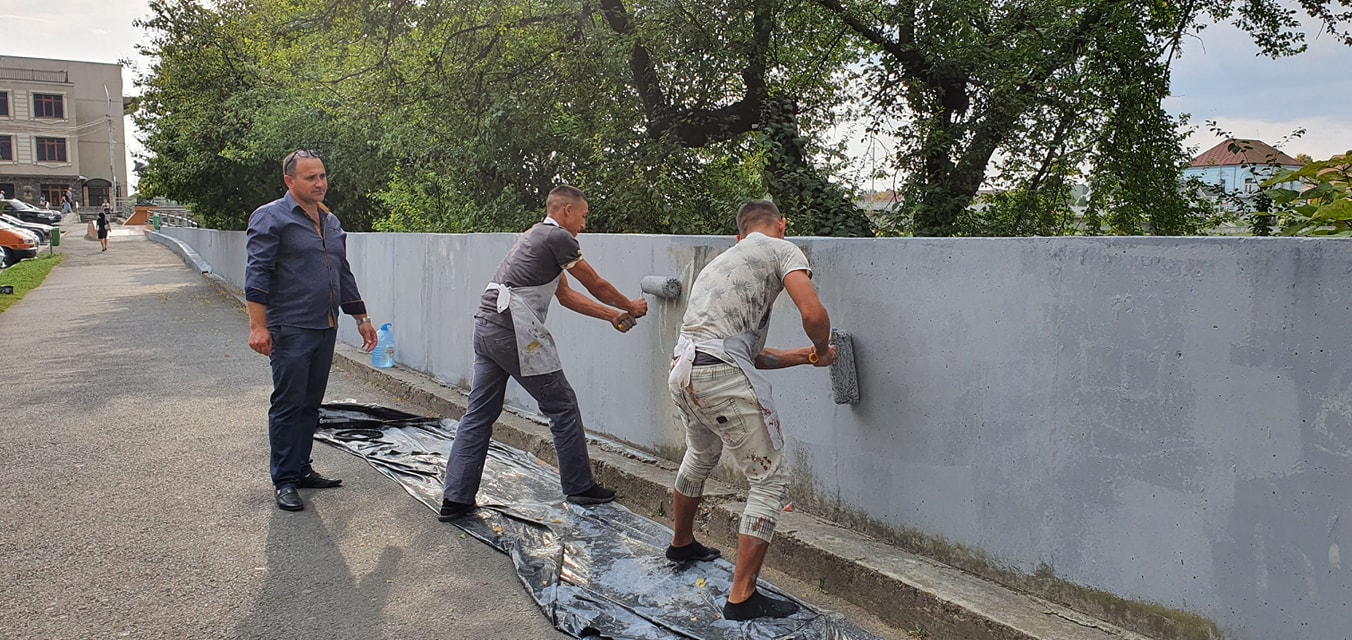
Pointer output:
x,y
1220,76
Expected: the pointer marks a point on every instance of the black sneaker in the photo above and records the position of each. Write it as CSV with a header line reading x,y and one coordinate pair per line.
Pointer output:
x,y
693,552
316,481
451,510
759,606
595,495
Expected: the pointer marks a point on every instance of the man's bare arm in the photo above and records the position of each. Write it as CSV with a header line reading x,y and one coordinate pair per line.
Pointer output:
x,y
816,322
606,292
782,358
575,301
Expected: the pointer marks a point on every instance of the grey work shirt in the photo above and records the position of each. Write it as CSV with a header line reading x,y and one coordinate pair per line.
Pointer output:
x,y
300,274
539,255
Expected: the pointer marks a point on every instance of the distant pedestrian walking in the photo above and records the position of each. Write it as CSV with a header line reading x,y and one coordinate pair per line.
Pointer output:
x,y
65,205
102,223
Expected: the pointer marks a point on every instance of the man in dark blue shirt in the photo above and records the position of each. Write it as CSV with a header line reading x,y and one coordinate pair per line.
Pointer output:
x,y
296,280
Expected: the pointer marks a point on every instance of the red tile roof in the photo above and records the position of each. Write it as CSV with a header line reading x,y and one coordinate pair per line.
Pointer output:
x,y
1253,152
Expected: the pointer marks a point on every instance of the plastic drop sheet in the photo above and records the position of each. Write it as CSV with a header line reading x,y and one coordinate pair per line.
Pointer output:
x,y
596,572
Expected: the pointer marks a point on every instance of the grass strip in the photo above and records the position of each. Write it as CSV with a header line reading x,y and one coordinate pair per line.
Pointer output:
x,y
25,277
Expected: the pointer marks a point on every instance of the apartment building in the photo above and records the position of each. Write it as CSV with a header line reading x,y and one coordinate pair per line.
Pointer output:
x,y
61,128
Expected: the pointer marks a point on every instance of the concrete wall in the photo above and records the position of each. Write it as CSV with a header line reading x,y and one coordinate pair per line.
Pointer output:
x,y
1165,419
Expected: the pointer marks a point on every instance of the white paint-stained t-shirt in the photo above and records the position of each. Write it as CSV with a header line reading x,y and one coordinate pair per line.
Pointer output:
x,y
734,292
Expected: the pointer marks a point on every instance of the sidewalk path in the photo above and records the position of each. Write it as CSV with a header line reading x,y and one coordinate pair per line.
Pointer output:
x,y
134,496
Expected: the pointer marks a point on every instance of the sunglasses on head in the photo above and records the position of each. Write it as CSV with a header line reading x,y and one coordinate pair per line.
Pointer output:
x,y
289,164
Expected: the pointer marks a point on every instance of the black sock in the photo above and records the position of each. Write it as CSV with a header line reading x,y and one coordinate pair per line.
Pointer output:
x,y
691,552
451,509
759,606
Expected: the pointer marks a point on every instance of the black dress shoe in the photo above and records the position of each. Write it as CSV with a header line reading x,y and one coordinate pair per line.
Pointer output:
x,y
595,495
288,499
451,510
316,481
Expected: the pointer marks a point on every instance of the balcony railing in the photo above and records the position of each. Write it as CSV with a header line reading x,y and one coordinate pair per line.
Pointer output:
x,y
33,75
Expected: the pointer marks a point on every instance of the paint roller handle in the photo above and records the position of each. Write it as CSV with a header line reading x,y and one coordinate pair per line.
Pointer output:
x,y
622,321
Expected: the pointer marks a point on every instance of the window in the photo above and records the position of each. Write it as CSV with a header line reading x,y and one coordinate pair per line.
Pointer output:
x,y
4,103
7,149
1250,185
51,149
48,105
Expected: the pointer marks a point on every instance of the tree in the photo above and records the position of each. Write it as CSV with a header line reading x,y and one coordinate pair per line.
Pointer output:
x,y
447,116
761,40
221,107
1050,85
1322,206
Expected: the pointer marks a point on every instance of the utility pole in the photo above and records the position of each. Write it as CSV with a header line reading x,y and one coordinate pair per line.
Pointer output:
x,y
112,164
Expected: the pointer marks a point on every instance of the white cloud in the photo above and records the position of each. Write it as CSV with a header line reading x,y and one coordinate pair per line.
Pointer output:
x,y
1324,136
1221,78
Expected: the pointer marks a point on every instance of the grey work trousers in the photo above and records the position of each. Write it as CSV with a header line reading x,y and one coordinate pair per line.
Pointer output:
x,y
495,362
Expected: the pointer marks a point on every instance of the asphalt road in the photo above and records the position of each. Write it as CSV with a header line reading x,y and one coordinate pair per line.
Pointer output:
x,y
134,495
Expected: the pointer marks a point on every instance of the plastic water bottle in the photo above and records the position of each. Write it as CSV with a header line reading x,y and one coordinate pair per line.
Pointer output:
x,y
383,355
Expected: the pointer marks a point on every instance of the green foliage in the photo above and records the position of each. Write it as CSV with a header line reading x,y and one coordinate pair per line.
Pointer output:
x,y
459,117
1025,96
1323,205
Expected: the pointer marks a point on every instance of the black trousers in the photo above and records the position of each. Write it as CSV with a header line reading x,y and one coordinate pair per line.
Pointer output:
x,y
301,359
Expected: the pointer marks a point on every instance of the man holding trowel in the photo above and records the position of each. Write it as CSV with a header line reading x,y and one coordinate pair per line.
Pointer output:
x,y
726,402
511,342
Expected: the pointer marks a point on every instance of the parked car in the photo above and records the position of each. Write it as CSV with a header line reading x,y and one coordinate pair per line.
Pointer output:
x,y
44,231
29,213
16,244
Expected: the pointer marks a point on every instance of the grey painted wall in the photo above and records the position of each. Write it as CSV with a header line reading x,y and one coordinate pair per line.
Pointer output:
x,y
1165,419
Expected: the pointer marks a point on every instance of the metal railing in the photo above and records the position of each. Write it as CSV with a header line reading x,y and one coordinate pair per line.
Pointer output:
x,y
33,75
171,220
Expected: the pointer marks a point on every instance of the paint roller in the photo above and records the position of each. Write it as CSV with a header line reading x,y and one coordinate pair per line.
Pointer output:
x,y
844,382
666,287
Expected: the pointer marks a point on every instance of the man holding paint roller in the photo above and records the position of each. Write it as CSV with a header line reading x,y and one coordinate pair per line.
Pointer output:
x,y
511,341
726,401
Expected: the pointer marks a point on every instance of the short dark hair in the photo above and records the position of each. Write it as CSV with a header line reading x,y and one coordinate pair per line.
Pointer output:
x,y
289,162
756,213
563,192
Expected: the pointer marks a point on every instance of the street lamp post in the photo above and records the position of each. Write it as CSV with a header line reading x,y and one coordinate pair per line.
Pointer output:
x,y
112,164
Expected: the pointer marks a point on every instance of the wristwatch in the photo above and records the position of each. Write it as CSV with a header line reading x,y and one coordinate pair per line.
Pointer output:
x,y
812,356
366,320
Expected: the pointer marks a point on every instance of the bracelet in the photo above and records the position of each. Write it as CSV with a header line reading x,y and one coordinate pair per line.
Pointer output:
x,y
366,320
812,355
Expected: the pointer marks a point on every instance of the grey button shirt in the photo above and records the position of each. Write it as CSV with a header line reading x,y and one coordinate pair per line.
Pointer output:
x,y
300,275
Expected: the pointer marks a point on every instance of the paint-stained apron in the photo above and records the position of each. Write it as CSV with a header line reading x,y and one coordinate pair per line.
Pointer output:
x,y
739,348
535,350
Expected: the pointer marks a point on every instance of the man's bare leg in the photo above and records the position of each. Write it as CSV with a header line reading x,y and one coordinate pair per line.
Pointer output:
x,y
750,556
744,602
683,509
683,547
